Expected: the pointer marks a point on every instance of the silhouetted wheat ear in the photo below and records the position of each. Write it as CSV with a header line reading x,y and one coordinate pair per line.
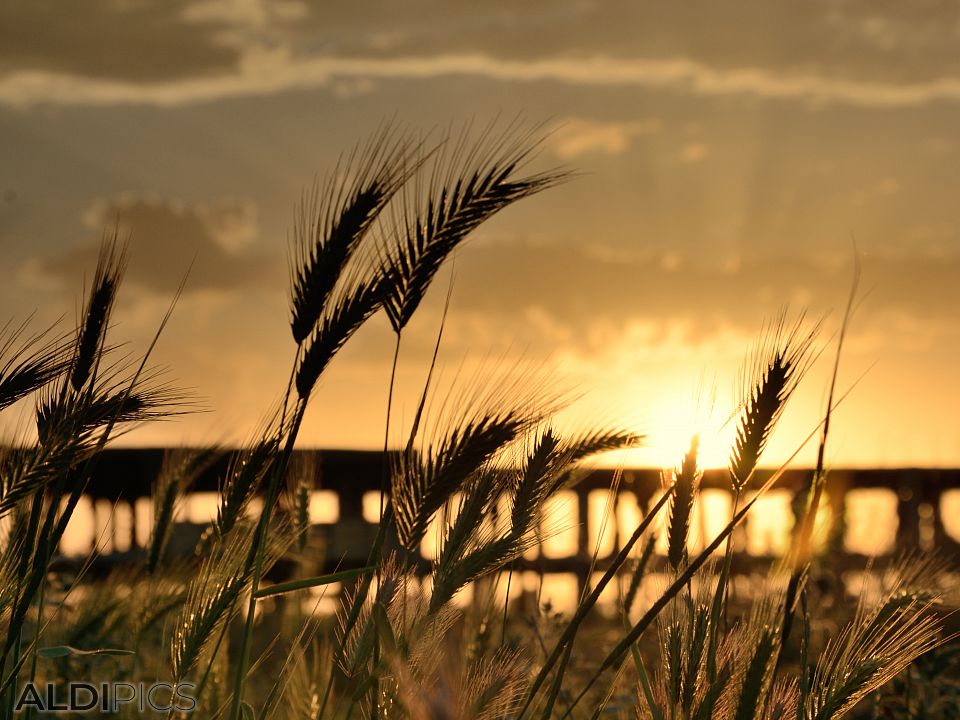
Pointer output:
x,y
489,557
771,375
356,638
473,424
872,649
423,482
695,652
212,594
242,482
331,221
466,530
23,471
682,682
210,601
681,505
111,400
468,183
535,478
179,469
671,649
359,299
476,542
96,317
757,674
547,464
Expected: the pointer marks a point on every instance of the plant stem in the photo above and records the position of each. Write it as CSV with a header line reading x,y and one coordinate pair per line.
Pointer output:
x,y
375,659
801,552
258,547
36,638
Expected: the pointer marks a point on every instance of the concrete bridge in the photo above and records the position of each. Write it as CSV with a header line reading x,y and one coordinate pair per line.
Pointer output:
x,y
923,505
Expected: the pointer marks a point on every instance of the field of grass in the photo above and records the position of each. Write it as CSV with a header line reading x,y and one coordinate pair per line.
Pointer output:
x,y
231,645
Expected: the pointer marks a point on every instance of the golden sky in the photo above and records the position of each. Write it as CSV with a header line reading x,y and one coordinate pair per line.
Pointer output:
x,y
729,155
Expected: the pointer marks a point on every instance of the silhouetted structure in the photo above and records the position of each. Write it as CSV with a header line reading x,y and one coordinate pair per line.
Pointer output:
x,y
123,476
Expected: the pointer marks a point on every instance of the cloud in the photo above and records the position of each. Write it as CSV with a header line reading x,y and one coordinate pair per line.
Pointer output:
x,y
164,236
578,136
267,70
551,294
105,39
185,51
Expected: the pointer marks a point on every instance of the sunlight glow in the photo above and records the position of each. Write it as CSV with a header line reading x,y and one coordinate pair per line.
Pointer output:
x,y
674,422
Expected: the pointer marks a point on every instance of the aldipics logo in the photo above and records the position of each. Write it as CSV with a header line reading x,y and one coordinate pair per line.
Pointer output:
x,y
107,697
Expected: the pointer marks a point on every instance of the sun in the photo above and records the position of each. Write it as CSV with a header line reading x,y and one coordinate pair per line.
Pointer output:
x,y
673,423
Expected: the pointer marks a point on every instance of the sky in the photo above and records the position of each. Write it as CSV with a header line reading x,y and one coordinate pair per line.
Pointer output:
x,y
732,159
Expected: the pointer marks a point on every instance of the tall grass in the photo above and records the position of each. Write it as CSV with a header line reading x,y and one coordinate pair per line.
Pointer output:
x,y
370,238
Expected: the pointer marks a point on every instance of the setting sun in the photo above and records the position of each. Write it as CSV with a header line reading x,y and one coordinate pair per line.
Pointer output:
x,y
672,425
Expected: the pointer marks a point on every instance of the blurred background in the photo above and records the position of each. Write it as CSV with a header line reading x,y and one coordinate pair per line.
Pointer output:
x,y
733,158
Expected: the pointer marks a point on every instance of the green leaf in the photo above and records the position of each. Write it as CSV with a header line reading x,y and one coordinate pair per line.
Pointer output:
x,y
57,651
304,583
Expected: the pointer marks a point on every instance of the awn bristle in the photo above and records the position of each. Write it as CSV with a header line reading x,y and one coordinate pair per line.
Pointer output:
x,y
28,365
872,649
108,403
26,471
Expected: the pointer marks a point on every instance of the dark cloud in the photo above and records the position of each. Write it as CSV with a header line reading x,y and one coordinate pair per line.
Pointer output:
x,y
144,41
888,40
165,237
149,40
